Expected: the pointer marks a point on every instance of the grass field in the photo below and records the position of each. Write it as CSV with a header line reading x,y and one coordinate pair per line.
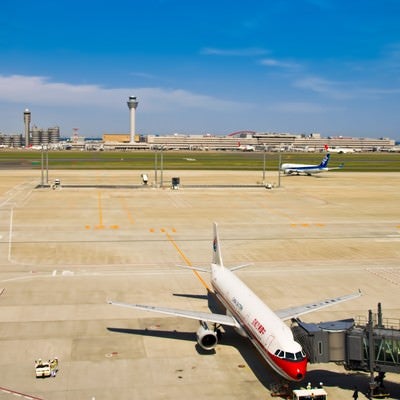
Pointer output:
x,y
181,160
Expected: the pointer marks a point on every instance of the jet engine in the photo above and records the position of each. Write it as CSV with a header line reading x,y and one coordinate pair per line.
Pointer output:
x,y
206,338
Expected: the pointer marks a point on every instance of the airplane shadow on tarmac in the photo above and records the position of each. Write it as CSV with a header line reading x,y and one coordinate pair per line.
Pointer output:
x,y
260,368
263,372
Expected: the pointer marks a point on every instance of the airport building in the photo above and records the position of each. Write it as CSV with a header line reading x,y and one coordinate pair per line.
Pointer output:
x,y
248,141
236,141
241,141
37,137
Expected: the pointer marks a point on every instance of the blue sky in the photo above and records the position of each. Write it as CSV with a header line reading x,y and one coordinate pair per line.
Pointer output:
x,y
209,66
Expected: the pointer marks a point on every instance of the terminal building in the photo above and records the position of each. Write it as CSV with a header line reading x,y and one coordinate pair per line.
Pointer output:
x,y
239,141
248,141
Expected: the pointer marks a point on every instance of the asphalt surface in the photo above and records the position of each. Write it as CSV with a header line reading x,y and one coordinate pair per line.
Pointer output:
x,y
64,253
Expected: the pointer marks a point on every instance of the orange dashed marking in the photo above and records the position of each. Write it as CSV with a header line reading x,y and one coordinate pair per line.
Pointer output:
x,y
152,230
87,226
114,227
99,227
306,225
126,209
100,209
162,230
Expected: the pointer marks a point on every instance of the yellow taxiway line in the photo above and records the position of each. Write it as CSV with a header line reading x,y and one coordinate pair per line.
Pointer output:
x,y
187,261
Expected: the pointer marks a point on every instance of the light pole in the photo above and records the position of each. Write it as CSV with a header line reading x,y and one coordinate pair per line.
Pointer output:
x,y
155,166
263,180
43,160
47,165
279,166
41,166
161,166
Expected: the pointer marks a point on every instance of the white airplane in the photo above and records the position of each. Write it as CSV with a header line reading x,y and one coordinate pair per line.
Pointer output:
x,y
308,169
250,317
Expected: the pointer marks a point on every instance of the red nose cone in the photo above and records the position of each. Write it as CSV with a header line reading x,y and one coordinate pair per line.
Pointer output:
x,y
295,370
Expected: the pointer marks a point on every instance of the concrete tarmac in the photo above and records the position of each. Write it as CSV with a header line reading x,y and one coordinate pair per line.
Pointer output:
x,y
65,252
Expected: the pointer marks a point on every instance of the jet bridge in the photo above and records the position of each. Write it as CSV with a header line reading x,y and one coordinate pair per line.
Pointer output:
x,y
358,344
370,345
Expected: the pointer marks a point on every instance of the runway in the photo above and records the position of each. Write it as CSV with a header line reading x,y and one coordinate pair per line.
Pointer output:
x,y
64,253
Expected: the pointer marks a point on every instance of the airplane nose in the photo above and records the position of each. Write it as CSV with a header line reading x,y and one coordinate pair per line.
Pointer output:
x,y
300,371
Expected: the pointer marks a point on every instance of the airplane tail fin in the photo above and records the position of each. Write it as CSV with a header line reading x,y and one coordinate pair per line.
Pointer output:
x,y
217,257
324,162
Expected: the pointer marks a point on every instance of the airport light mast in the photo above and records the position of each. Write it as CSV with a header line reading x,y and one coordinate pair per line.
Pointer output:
x,y
132,105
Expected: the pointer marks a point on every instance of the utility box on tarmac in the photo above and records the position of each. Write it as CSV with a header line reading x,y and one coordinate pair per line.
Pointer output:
x,y
175,182
56,184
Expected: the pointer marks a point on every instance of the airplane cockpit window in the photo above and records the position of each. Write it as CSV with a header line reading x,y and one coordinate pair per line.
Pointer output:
x,y
300,355
290,356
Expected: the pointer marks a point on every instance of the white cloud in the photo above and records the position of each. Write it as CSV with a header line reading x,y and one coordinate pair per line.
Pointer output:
x,y
144,75
342,90
245,52
271,62
335,90
42,91
298,107
39,90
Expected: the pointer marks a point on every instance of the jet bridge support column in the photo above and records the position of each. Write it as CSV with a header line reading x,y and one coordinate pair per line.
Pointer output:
x,y
371,351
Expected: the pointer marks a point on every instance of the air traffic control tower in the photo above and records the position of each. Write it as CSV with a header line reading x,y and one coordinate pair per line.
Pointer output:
x,y
27,122
132,105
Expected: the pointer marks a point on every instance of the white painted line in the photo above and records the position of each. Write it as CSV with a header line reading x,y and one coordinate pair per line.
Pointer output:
x,y
10,234
54,273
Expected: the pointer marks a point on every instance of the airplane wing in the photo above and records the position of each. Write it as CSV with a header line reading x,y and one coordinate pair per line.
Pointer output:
x,y
200,316
294,312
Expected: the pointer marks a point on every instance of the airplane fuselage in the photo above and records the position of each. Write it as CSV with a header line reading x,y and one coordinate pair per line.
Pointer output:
x,y
249,316
302,169
271,337
306,168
